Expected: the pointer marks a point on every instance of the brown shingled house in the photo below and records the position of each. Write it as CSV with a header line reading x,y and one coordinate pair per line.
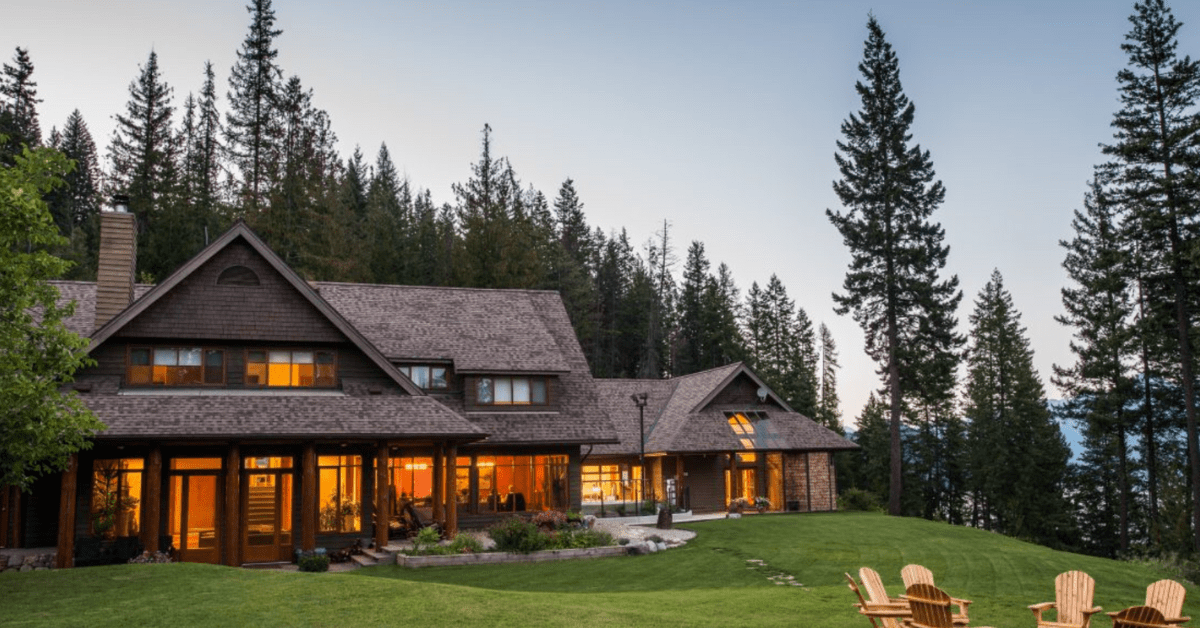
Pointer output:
x,y
711,437
251,414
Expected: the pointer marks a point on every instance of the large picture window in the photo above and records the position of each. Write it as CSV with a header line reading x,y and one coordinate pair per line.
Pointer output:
x,y
175,366
612,483
511,391
116,497
291,368
522,483
340,493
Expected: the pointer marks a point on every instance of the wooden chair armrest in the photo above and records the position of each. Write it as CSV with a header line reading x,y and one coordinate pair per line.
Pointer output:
x,y
1091,611
1041,607
1177,620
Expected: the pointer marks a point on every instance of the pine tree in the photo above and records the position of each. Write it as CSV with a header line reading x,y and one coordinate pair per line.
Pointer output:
x,y
251,125
485,211
828,412
570,264
1099,309
1157,130
143,155
389,232
892,287
658,357
20,101
203,167
76,205
1018,459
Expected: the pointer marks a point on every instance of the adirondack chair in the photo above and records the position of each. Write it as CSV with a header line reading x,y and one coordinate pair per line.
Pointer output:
x,y
930,607
917,574
888,614
1140,617
1167,596
877,597
1073,592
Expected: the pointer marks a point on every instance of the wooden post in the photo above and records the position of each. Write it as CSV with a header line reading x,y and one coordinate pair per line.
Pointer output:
x,y
734,478
382,515
807,482
18,516
66,516
679,480
233,507
308,498
152,501
452,491
439,486
5,500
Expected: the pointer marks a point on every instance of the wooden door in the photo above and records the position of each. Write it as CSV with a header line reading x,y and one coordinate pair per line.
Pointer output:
x,y
266,516
193,517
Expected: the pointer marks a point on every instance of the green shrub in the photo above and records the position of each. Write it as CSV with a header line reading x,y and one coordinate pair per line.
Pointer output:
x,y
518,536
857,499
550,519
578,538
465,544
425,541
313,562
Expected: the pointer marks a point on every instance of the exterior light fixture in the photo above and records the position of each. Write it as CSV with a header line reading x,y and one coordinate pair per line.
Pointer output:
x,y
120,204
639,400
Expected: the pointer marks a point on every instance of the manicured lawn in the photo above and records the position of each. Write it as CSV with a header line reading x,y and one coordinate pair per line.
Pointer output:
x,y
708,582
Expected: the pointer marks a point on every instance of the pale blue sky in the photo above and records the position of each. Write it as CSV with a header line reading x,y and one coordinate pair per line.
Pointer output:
x,y
720,117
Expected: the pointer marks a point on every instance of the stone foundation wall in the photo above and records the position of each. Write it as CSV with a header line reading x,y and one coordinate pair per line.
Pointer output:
x,y
28,562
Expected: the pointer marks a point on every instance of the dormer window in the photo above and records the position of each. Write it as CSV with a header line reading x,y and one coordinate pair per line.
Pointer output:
x,y
291,368
175,366
426,377
511,391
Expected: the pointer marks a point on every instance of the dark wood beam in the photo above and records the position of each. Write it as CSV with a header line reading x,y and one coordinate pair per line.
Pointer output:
x,y
308,498
382,512
66,515
439,487
233,507
152,501
452,491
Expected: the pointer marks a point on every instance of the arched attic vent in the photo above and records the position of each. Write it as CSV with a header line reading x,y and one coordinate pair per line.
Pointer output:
x,y
237,276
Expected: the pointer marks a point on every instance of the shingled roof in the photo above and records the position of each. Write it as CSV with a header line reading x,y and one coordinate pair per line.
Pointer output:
x,y
83,293
480,330
250,416
681,418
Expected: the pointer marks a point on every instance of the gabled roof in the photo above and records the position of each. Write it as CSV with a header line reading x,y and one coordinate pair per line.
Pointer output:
x,y
241,232
83,293
681,416
480,330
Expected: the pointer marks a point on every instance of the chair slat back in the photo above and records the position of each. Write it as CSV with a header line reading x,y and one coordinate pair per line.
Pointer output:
x,y
873,585
1140,617
916,574
1074,591
1167,596
930,606
862,603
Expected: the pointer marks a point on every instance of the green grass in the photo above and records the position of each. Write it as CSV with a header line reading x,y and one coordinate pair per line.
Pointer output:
x,y
708,582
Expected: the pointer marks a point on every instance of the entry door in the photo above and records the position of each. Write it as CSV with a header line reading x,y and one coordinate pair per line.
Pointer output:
x,y
266,516
193,518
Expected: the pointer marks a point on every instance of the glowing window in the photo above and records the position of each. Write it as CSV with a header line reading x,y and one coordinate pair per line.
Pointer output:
x,y
291,368
340,493
116,497
174,366
511,391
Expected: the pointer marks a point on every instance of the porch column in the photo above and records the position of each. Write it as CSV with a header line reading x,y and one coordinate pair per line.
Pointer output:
x,y
152,517
679,481
233,506
439,486
452,491
66,516
382,514
5,500
308,498
735,491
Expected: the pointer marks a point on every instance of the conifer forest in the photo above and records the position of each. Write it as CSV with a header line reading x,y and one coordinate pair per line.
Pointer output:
x,y
961,428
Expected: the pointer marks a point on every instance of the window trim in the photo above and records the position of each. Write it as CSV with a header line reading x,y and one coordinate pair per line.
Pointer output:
x,y
291,350
545,380
204,350
407,370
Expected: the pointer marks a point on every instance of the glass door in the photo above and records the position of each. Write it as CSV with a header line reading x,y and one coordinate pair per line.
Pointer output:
x,y
193,516
267,510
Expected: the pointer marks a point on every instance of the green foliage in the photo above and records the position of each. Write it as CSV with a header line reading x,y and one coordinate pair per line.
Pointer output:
x,y
578,538
517,536
550,519
858,500
40,427
465,544
426,539
313,562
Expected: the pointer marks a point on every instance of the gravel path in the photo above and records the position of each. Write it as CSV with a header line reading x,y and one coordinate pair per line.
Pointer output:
x,y
620,530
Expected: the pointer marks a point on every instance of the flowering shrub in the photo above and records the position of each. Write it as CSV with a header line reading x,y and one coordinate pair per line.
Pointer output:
x,y
550,519
518,536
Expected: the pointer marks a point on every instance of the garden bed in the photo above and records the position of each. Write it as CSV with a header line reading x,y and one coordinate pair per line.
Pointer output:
x,y
494,558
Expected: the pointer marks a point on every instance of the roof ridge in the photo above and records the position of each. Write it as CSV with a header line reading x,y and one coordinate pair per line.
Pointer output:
x,y
421,287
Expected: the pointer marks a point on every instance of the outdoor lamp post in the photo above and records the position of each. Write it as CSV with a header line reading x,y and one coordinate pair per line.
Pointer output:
x,y
639,399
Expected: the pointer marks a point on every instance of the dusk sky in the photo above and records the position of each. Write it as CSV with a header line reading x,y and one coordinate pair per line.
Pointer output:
x,y
720,118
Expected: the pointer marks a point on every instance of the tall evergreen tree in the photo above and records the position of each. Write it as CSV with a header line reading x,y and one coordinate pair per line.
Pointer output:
x,y
828,412
1155,156
570,265
76,205
203,166
892,287
389,233
1018,459
1099,309
20,100
251,125
143,154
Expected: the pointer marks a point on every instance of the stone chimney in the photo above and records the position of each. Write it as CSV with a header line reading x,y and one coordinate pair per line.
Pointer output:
x,y
118,261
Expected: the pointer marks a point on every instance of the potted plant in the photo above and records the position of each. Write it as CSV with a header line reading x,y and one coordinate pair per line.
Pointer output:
x,y
762,503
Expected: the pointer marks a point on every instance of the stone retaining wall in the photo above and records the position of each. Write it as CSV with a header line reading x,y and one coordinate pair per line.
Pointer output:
x,y
29,562
493,558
